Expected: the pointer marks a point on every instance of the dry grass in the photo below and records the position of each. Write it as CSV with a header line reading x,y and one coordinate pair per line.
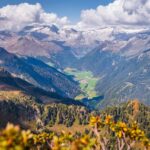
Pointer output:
x,y
9,94
73,129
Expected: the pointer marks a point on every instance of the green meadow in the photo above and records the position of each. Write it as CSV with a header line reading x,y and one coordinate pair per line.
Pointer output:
x,y
86,80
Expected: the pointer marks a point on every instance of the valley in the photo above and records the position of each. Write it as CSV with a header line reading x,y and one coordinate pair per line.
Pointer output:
x,y
87,83
114,62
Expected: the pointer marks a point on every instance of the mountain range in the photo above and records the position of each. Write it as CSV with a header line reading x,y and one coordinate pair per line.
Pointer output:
x,y
118,57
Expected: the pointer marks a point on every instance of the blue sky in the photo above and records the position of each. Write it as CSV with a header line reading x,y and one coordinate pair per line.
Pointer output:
x,y
69,8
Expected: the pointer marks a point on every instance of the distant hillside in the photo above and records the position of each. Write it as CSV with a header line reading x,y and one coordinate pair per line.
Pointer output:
x,y
8,83
120,78
39,74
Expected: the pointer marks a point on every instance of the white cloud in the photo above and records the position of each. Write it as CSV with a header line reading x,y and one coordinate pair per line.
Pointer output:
x,y
119,12
15,17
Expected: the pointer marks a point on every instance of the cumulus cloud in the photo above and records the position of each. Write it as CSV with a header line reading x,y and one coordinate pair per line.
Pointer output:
x,y
15,17
119,12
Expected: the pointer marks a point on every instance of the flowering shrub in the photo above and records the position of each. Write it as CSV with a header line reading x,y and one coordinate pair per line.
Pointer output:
x,y
13,138
104,134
